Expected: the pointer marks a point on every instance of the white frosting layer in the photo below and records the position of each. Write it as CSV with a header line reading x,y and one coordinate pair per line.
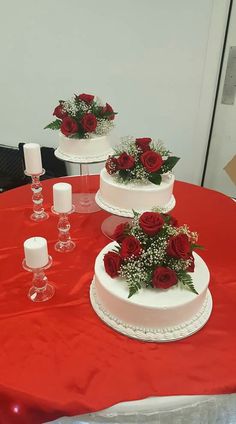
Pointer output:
x,y
135,196
150,309
84,147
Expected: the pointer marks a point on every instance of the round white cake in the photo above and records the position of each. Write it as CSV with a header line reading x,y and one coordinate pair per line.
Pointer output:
x,y
151,314
122,199
84,150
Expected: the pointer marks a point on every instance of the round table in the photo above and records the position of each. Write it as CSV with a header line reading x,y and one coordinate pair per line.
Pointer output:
x,y
57,358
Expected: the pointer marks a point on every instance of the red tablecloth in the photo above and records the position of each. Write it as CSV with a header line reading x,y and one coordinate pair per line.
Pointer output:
x,y
58,358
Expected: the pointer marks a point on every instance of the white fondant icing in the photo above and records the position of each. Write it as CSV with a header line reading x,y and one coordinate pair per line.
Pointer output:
x,y
92,149
122,199
152,314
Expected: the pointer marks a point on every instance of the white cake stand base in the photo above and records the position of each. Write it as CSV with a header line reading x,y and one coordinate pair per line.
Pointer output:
x,y
85,203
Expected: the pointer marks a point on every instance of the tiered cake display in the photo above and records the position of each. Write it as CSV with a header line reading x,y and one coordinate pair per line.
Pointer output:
x,y
149,284
137,177
84,123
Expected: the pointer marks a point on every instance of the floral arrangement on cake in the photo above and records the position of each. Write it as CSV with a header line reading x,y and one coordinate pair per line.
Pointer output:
x,y
83,116
140,160
153,251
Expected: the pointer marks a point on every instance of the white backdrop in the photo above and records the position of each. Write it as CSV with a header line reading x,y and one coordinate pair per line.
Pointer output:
x,y
155,61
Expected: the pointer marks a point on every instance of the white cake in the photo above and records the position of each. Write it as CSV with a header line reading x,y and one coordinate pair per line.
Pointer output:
x,y
94,149
121,199
151,314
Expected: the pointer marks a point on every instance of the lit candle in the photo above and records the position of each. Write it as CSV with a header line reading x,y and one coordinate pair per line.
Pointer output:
x,y
36,252
33,160
62,197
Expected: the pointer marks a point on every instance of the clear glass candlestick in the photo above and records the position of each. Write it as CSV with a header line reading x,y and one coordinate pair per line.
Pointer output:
x,y
39,213
41,289
64,243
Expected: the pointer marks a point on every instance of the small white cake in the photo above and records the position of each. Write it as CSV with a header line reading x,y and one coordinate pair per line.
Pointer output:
x,y
93,149
121,199
151,314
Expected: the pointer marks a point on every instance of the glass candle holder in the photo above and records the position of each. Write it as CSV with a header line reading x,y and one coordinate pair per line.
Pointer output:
x,y
64,243
41,289
39,213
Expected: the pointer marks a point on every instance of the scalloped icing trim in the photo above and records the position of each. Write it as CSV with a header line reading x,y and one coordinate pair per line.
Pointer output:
x,y
82,159
128,212
168,334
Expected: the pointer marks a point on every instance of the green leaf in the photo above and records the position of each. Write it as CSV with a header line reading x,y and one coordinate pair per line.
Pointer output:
x,y
155,178
197,246
169,163
124,174
55,125
186,280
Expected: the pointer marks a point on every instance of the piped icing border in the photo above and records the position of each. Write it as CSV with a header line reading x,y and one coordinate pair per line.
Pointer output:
x,y
154,335
128,212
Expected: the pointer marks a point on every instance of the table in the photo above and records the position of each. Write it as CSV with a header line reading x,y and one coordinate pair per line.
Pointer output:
x,y
59,359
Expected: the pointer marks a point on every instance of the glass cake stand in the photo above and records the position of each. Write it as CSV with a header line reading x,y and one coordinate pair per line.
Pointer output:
x,y
119,216
84,201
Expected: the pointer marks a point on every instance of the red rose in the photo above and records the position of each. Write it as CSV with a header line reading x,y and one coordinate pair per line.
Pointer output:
x,y
179,247
130,246
59,112
152,161
119,233
143,143
163,278
125,161
112,263
192,265
69,126
111,165
89,122
87,98
151,223
108,111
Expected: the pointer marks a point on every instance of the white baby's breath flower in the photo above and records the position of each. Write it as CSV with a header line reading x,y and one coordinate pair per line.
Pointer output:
x,y
104,126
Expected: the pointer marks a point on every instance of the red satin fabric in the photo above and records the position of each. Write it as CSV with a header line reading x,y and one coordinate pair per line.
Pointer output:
x,y
58,358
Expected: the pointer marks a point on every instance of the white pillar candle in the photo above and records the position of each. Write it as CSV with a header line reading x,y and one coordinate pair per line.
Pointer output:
x,y
62,197
36,252
33,160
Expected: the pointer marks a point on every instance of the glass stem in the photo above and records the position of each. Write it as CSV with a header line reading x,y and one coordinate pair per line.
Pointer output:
x,y
64,228
39,279
37,196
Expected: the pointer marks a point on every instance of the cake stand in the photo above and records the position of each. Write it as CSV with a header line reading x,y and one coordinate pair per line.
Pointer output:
x,y
84,202
120,216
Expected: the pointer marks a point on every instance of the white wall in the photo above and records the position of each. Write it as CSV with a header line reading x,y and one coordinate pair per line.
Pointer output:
x,y
223,140
148,58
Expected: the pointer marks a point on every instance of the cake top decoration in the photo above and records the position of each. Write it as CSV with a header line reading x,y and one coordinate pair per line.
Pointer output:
x,y
83,116
153,251
140,160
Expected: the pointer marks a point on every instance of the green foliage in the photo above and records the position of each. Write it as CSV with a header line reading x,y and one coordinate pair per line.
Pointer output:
x,y
155,178
169,164
197,246
133,288
186,280
124,174
55,125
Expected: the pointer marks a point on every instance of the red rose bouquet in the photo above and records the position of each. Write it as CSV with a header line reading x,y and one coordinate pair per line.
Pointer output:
x,y
140,159
82,117
153,251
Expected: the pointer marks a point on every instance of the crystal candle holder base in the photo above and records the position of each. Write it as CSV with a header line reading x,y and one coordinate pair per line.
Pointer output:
x,y
39,217
41,290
